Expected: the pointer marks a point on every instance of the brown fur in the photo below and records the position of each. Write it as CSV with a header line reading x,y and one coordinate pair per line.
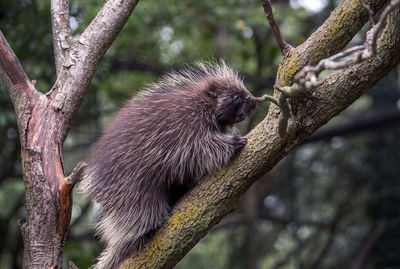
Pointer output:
x,y
161,143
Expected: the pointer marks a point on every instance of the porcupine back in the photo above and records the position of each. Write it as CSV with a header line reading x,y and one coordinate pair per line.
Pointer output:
x,y
163,139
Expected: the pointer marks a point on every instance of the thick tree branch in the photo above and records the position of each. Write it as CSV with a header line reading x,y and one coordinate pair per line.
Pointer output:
x,y
61,31
218,194
13,75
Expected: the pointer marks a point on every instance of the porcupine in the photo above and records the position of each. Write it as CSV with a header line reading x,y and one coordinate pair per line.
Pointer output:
x,y
160,143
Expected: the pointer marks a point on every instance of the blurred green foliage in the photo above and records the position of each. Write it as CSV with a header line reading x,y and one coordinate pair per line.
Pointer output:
x,y
294,204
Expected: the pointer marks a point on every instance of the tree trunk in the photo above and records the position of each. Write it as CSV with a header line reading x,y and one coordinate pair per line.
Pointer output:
x,y
45,229
44,121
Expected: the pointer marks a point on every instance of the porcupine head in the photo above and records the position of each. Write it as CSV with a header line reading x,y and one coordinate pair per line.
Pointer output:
x,y
160,143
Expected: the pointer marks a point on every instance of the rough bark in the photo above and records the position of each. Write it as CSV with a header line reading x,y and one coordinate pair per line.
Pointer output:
x,y
44,121
219,194
61,31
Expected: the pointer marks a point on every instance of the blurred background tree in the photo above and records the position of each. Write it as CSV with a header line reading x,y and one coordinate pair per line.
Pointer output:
x,y
332,203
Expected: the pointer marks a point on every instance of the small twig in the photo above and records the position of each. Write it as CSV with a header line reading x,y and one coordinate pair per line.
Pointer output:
x,y
264,98
284,46
329,63
307,76
76,173
345,53
370,13
65,204
283,103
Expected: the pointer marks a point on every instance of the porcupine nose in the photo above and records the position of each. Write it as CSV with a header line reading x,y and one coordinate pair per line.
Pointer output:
x,y
251,107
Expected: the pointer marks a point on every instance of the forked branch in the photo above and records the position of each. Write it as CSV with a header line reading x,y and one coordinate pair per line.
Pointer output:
x,y
82,58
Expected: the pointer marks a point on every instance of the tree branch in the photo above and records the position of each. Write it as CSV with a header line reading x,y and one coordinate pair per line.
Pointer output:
x,y
285,47
61,31
13,75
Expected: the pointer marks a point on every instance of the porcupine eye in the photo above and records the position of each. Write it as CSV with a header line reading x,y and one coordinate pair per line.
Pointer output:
x,y
228,109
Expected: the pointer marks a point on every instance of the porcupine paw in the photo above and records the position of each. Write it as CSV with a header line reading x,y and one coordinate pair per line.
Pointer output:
x,y
239,142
